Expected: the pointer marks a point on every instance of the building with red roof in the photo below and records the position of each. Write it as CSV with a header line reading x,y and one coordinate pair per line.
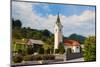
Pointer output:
x,y
73,45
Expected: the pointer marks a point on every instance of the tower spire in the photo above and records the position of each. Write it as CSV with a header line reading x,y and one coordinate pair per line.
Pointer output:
x,y
58,19
57,34
58,14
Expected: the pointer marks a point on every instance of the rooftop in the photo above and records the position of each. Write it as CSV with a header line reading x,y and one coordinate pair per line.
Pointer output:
x,y
71,43
33,41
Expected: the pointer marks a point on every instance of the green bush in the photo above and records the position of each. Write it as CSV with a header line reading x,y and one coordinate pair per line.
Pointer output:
x,y
32,58
41,51
48,57
90,49
17,58
37,57
51,57
61,48
30,50
45,57
69,51
56,50
28,58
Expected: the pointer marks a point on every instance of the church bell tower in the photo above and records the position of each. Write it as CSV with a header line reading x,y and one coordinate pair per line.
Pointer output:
x,y
58,38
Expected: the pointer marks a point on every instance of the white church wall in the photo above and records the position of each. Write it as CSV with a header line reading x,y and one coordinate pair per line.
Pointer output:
x,y
76,49
56,37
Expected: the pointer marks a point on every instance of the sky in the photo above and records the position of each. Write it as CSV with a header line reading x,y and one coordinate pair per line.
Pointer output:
x,y
77,19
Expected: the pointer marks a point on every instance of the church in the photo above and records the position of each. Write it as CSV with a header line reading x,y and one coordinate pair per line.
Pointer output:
x,y
58,38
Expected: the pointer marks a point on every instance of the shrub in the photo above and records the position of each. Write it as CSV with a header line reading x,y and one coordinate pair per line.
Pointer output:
x,y
32,58
22,52
28,58
37,57
69,51
61,48
90,49
41,51
56,50
44,57
48,57
19,51
30,50
17,58
51,57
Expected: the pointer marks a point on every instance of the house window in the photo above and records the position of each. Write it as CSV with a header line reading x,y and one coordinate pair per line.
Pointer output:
x,y
77,47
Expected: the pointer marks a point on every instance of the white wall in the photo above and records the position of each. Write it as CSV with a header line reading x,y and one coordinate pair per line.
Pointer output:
x,y
56,37
76,50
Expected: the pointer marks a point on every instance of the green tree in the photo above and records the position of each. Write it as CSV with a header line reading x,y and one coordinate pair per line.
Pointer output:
x,y
46,33
16,23
61,48
16,33
69,51
46,46
30,50
24,32
16,29
90,49
41,50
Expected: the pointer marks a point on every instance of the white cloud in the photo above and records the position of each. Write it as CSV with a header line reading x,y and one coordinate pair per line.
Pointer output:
x,y
23,11
83,24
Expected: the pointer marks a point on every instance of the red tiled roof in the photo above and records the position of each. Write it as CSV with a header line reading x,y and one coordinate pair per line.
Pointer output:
x,y
71,43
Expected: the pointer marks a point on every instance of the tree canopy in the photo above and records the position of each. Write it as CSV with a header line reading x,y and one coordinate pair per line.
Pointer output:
x,y
16,23
90,49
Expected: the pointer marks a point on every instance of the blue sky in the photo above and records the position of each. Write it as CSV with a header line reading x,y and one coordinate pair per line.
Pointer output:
x,y
74,18
63,9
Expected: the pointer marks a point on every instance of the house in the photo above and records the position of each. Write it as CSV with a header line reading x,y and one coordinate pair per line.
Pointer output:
x,y
19,44
36,44
73,45
33,42
24,43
